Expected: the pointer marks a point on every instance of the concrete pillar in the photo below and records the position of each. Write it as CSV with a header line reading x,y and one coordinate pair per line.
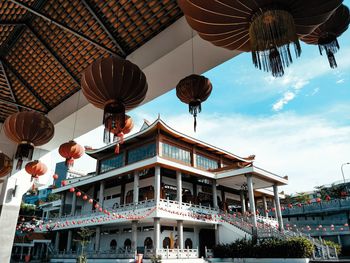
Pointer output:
x,y
251,198
265,206
217,237
101,193
275,206
57,241
136,187
195,236
156,234
244,209
69,240
215,195
74,204
179,186
278,207
134,234
180,234
97,238
157,187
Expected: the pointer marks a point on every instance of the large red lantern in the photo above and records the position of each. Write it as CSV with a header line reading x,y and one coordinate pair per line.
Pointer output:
x,y
193,90
114,85
325,36
28,129
36,168
71,151
5,164
267,28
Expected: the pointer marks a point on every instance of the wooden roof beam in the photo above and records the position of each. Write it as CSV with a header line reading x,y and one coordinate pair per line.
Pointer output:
x,y
26,85
88,6
20,105
64,27
53,54
9,86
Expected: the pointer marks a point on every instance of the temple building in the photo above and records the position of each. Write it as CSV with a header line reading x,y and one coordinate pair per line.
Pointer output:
x,y
165,193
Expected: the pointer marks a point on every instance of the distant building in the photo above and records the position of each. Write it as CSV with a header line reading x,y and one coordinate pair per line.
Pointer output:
x,y
61,170
33,198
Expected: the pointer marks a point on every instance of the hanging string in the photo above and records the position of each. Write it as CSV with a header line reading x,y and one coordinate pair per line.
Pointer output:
x,y
192,35
76,115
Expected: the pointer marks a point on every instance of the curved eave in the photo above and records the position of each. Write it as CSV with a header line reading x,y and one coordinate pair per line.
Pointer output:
x,y
95,153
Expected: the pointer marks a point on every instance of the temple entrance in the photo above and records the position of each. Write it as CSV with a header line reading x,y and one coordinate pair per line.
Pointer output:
x,y
206,239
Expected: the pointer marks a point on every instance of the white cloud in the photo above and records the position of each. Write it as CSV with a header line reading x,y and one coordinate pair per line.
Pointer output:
x,y
287,97
341,81
308,149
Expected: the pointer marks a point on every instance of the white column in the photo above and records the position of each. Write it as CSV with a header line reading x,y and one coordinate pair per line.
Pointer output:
x,y
217,237
101,193
251,198
157,184
180,233
278,207
195,237
265,206
74,204
134,234
57,241
69,240
136,187
97,238
244,209
179,186
215,195
156,234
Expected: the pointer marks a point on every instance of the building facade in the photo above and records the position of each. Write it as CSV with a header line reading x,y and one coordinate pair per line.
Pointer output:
x,y
165,194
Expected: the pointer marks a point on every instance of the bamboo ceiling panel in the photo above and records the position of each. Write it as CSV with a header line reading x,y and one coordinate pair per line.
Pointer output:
x,y
44,60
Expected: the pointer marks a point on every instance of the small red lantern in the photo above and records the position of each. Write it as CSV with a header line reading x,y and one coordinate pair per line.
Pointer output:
x,y
299,205
97,206
71,151
346,224
72,189
36,168
91,201
100,209
78,194
55,176
85,197
328,198
318,200
290,206
64,183
308,202
273,209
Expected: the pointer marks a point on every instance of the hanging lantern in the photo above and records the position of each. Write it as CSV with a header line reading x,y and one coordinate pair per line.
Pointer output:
x,y
28,129
36,168
318,200
78,194
193,90
5,164
114,85
290,206
308,202
325,36
71,151
299,205
266,28
64,183
55,176
72,189
85,197
328,198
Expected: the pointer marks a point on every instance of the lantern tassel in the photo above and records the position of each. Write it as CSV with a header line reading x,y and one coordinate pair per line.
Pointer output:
x,y
24,151
19,164
195,107
113,119
331,46
69,162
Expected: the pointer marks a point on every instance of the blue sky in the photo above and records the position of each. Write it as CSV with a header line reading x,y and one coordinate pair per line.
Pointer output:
x,y
297,125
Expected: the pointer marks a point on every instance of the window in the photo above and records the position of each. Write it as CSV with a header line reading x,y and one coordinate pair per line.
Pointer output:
x,y
127,244
113,245
141,153
177,153
148,244
115,162
206,163
188,243
166,242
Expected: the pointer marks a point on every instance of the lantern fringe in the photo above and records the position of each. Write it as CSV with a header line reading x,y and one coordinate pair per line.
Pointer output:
x,y
69,162
331,46
271,33
24,151
113,120
194,108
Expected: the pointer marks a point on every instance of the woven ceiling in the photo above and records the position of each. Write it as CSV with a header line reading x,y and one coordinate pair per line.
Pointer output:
x,y
46,44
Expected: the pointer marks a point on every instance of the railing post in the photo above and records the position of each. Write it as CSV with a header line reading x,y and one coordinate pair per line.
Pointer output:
x,y
188,253
167,252
327,250
336,252
205,252
178,255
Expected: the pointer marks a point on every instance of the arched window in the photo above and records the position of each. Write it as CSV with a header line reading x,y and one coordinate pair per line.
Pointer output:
x,y
148,244
188,243
127,244
166,242
113,245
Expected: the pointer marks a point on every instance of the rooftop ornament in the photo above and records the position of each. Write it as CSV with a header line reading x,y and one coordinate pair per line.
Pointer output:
x,y
265,28
325,36
28,129
116,86
5,164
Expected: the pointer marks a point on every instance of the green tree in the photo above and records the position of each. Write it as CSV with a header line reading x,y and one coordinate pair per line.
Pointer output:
x,y
84,239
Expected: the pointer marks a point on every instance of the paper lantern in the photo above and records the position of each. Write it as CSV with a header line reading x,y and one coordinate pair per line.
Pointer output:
x,y
114,85
71,151
193,90
55,176
266,28
72,189
36,168
28,129
78,194
85,197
